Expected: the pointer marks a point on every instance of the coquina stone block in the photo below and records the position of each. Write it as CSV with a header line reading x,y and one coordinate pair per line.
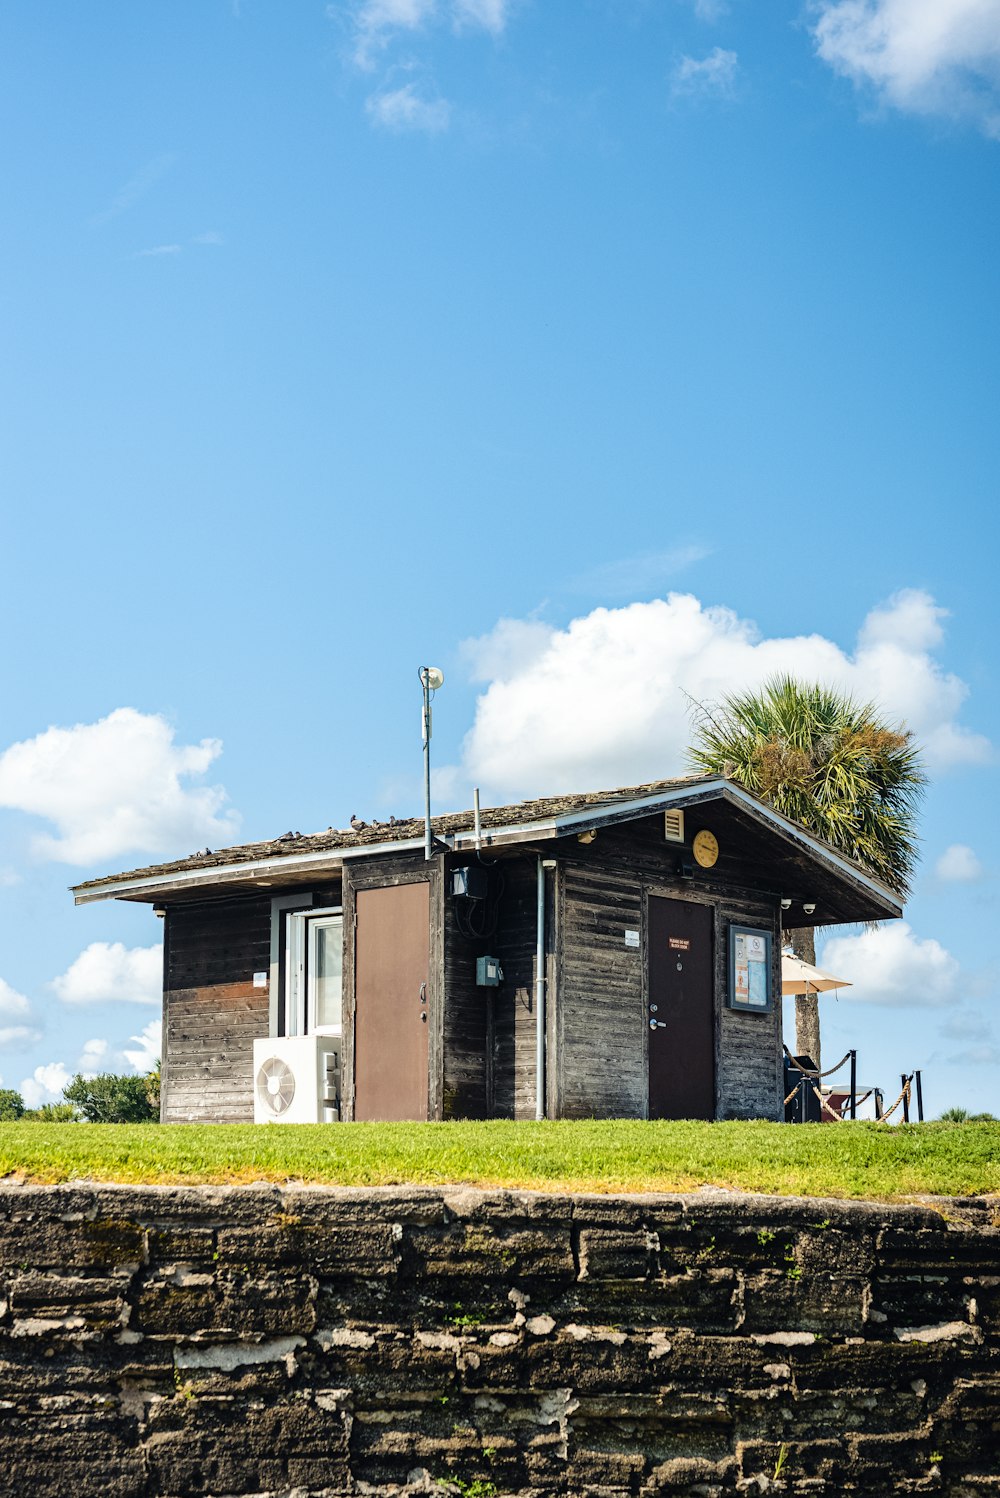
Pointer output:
x,y
223,1342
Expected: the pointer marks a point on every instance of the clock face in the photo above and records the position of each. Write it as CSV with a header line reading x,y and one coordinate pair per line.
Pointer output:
x,y
705,848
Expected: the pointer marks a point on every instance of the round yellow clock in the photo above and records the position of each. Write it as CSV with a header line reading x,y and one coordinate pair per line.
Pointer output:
x,y
705,848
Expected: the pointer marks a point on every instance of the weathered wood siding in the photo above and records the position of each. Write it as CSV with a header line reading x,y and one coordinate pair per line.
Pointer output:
x,y
212,1014
468,1022
749,1070
601,1005
514,1028
211,1011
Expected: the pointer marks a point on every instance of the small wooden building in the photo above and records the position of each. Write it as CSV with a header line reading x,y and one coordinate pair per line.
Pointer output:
x,y
612,954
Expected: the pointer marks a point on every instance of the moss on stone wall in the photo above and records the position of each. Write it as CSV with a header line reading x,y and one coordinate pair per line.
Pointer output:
x,y
254,1340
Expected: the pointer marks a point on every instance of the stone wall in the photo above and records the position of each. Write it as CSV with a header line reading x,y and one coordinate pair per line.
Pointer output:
x,y
253,1340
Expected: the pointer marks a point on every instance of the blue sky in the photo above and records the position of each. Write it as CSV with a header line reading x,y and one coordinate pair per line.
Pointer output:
x,y
595,351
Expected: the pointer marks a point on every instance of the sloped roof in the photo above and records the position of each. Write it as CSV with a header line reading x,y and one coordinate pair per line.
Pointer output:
x,y
852,893
379,834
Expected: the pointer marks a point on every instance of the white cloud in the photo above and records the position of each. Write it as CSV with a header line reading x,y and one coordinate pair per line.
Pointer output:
x,y
9,877
958,865
92,1057
376,23
892,966
404,109
710,10
210,237
928,56
980,1053
13,1005
967,1024
714,74
605,701
16,1031
109,972
159,249
45,1085
115,786
18,1037
491,15
147,1051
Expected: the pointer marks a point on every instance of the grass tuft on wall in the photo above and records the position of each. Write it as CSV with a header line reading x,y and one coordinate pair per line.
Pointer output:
x,y
878,1162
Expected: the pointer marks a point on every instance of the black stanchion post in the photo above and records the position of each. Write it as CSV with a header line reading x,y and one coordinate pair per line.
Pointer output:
x,y
854,1084
906,1100
920,1098
878,1103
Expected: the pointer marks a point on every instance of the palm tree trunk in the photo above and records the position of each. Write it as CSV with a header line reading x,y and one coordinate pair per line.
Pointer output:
x,y
803,940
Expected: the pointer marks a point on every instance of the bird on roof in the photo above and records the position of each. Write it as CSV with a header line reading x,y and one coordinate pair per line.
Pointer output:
x,y
356,823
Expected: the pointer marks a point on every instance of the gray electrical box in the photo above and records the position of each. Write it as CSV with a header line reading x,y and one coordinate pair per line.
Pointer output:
x,y
489,973
472,883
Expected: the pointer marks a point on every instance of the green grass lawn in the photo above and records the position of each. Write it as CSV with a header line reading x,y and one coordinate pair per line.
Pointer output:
x,y
877,1161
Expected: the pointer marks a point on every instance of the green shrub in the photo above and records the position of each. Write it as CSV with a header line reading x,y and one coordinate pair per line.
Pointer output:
x,y
51,1113
11,1105
111,1099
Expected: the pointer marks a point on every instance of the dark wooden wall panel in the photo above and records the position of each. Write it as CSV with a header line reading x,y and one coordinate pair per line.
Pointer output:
x,y
749,1067
602,997
211,1011
514,1028
602,1053
466,1021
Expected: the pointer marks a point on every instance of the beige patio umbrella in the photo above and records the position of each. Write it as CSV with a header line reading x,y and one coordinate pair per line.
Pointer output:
x,y
801,977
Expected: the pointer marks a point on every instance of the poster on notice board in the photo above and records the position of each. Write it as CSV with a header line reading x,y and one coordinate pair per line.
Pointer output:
x,y
749,969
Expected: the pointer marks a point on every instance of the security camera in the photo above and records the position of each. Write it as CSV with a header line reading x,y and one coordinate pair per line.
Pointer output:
x,y
786,904
808,909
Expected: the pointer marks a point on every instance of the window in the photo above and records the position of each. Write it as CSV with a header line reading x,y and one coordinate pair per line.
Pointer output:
x,y
314,996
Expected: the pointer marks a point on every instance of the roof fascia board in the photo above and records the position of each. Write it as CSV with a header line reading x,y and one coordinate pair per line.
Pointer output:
x,y
226,873
602,815
820,850
624,811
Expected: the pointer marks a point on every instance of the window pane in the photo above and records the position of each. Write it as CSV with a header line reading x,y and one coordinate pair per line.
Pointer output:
x,y
327,1008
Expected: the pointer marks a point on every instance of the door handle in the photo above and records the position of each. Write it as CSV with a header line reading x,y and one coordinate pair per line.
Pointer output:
x,y
423,994
657,1024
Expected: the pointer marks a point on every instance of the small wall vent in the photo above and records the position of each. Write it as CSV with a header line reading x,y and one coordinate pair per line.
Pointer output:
x,y
673,826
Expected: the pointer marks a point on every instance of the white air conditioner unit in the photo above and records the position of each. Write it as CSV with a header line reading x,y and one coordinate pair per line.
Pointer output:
x,y
296,1079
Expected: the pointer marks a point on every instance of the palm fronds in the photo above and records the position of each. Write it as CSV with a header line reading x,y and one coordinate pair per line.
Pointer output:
x,y
826,761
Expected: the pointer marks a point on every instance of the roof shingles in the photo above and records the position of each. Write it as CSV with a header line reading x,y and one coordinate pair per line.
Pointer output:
x,y
380,833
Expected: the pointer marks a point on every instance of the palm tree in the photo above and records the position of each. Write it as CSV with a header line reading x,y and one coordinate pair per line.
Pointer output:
x,y
830,763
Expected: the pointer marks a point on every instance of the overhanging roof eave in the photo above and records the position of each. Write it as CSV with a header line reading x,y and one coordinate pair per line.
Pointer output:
x,y
544,828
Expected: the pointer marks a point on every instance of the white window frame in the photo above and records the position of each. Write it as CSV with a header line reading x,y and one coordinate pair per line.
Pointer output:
x,y
301,928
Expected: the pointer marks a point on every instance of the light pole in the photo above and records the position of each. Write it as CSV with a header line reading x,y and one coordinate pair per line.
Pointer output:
x,y
430,679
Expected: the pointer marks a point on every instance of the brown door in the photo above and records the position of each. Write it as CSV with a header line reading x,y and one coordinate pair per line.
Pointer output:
x,y
391,973
681,1017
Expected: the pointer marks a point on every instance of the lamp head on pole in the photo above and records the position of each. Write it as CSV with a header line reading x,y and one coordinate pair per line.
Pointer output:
x,y
431,678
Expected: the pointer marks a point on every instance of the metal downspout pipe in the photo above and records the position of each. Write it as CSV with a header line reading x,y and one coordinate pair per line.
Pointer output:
x,y
540,991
